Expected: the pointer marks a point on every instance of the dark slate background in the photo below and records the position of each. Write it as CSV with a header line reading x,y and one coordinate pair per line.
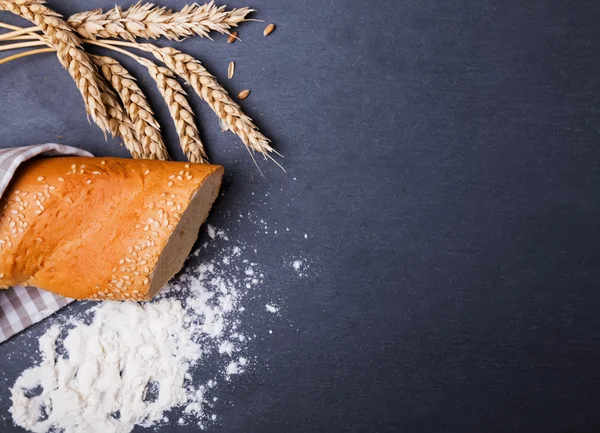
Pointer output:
x,y
447,167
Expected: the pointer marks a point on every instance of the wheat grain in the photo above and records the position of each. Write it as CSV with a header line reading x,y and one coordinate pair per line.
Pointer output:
x,y
231,70
146,127
232,37
181,112
207,87
149,21
69,52
269,29
243,94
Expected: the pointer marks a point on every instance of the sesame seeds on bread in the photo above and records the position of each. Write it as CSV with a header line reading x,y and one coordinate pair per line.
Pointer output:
x,y
102,228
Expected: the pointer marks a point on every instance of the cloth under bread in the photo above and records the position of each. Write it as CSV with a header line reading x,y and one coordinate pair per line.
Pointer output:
x,y
21,307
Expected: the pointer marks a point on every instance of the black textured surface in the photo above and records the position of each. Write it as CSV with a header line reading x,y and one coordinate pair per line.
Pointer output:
x,y
447,172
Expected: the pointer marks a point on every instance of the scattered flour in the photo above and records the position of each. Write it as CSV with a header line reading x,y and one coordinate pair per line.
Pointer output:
x,y
131,363
211,231
271,308
301,266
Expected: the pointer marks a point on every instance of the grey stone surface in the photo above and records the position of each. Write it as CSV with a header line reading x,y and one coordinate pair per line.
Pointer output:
x,y
443,158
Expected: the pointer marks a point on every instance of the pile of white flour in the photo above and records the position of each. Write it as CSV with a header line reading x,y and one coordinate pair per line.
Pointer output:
x,y
131,364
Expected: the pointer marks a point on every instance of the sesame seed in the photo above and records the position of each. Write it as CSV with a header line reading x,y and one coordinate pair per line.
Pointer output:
x,y
127,295
135,292
102,162
61,179
146,269
189,177
170,203
138,248
110,295
89,181
1,275
137,226
122,261
154,233
14,211
150,220
95,295
41,178
179,178
147,172
82,166
170,183
38,211
69,200
156,224
146,228
74,167
17,191
172,176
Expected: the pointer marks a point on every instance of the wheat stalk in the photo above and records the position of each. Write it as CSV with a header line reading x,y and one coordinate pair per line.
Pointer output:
x,y
149,21
207,87
69,52
147,129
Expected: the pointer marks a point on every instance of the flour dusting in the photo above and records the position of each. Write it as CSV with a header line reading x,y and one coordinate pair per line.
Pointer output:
x,y
128,364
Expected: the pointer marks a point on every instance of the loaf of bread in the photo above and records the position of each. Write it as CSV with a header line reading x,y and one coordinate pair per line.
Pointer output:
x,y
102,228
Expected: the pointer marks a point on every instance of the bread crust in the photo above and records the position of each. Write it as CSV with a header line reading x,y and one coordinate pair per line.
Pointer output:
x,y
94,228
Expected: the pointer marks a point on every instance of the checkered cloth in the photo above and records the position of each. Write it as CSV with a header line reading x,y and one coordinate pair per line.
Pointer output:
x,y
21,307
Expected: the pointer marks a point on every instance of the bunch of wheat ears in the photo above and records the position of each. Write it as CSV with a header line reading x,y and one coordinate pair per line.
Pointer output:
x,y
112,98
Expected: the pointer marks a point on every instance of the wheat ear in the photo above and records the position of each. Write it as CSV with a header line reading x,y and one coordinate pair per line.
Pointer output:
x,y
69,52
149,21
181,112
120,125
147,128
208,88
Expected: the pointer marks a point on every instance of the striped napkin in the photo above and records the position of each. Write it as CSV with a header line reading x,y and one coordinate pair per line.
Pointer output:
x,y
21,307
